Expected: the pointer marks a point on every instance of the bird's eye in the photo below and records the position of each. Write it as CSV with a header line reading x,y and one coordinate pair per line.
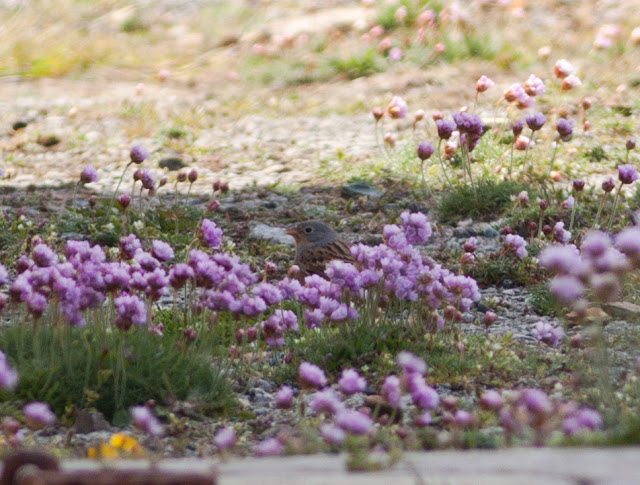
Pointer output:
x,y
308,229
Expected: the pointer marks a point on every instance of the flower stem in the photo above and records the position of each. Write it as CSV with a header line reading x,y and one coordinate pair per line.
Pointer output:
x,y
602,201
113,197
615,206
573,213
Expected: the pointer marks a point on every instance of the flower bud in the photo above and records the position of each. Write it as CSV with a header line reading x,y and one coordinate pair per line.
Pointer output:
x,y
533,226
419,115
193,175
437,115
213,206
570,82
489,319
138,154
239,336
578,185
163,182
506,230
586,104
137,175
182,176
521,143
547,229
377,113
483,84
390,139
608,185
252,334
544,205
631,144
586,126
190,334
425,150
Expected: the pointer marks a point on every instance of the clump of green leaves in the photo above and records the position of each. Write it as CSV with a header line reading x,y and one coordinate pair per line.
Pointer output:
x,y
111,371
489,200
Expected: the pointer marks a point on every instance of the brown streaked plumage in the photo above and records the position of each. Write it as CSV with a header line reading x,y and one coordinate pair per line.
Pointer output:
x,y
316,245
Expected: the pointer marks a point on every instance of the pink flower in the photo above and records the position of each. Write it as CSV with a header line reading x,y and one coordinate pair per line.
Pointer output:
x,y
225,437
351,382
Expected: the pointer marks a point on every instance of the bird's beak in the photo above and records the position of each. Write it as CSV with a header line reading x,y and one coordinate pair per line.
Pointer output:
x,y
291,230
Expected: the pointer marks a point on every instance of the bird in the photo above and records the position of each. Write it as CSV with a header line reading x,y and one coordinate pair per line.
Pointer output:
x,y
316,246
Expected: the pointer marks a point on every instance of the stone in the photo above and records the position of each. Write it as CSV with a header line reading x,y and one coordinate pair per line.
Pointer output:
x,y
277,235
19,125
623,309
360,189
89,422
172,164
490,232
48,140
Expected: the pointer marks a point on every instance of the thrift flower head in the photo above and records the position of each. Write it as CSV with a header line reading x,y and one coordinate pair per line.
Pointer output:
x,y
445,128
536,401
8,376
269,447
560,234
44,256
411,364
332,434
517,127
138,154
608,185
210,234
578,185
534,86
392,392
398,108
582,419
351,382
88,175
563,68
515,244
225,437
491,400
425,150
463,418
143,419
566,288
483,84
416,226
547,333
38,415
565,128
284,397
124,200
535,121
627,173
311,376
161,250
326,401
570,82
595,243
631,144
354,422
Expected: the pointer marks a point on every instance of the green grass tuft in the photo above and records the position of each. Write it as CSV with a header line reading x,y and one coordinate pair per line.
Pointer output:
x,y
489,200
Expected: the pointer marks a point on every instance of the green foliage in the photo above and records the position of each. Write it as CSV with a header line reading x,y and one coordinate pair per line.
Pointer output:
x,y
134,24
497,268
596,154
387,14
489,200
112,371
542,300
357,66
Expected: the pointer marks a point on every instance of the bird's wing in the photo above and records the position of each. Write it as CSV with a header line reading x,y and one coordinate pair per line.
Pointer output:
x,y
313,260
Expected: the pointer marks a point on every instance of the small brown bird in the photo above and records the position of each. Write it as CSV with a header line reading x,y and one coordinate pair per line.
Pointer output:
x,y
317,245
